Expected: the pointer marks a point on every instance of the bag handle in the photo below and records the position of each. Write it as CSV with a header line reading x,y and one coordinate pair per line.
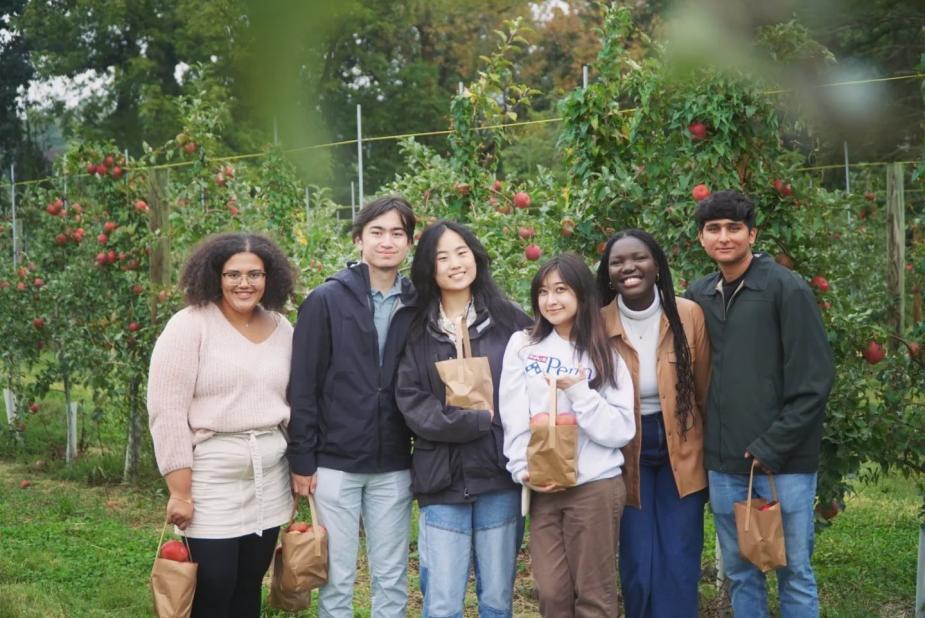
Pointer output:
x,y
314,514
160,542
463,345
751,478
553,401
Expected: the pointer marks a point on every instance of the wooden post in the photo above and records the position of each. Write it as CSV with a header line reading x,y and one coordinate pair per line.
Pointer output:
x,y
896,247
920,577
917,240
157,223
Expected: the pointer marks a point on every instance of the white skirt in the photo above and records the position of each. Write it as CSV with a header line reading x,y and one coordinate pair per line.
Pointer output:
x,y
241,484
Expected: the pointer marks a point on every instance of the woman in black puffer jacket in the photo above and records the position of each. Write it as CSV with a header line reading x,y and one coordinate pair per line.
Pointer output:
x,y
468,501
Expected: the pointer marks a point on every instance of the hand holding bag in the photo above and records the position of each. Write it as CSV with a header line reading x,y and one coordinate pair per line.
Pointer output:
x,y
300,564
467,378
552,452
173,584
760,528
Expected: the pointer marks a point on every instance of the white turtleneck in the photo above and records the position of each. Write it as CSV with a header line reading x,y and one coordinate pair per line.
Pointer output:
x,y
642,329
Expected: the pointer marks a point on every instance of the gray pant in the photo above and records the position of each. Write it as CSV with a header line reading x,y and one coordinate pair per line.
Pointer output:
x,y
384,501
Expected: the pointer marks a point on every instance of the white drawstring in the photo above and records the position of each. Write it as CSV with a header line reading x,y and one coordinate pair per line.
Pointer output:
x,y
257,463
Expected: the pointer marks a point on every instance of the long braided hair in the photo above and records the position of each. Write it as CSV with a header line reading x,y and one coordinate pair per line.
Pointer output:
x,y
665,287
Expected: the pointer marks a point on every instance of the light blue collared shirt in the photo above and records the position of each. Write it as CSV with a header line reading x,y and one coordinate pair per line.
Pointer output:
x,y
383,308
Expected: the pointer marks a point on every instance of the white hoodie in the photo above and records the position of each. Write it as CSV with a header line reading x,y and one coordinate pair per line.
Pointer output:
x,y
605,417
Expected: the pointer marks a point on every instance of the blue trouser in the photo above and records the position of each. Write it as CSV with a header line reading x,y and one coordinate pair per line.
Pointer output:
x,y
661,542
384,502
796,583
449,535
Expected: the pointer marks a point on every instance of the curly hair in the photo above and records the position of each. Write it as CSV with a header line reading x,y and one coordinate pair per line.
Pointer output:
x,y
201,279
664,285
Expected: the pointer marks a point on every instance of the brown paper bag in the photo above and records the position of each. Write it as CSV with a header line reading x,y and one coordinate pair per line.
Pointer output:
x,y
173,584
281,598
303,562
467,379
760,528
553,449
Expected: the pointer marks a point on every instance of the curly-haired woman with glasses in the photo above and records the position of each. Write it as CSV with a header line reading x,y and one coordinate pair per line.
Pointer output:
x,y
217,405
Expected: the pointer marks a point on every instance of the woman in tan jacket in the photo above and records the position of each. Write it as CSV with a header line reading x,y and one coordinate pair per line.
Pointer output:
x,y
664,343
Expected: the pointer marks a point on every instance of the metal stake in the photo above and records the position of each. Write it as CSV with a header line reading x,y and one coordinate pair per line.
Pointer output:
x,y
360,152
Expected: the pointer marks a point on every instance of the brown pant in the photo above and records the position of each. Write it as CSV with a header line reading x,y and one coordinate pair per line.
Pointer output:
x,y
574,538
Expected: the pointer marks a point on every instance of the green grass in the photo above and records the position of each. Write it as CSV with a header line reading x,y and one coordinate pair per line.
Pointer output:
x,y
77,543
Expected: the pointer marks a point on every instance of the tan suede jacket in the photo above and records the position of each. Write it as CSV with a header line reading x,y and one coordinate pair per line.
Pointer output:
x,y
686,455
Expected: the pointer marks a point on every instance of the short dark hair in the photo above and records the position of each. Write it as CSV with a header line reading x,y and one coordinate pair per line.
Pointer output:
x,y
377,208
201,279
726,205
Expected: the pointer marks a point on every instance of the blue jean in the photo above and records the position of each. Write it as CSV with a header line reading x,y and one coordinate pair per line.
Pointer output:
x,y
447,536
660,542
384,501
796,583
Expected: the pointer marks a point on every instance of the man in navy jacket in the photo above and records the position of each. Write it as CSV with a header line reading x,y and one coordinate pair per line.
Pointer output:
x,y
348,443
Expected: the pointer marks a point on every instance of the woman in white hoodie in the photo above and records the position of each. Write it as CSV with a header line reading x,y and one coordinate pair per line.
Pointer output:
x,y
574,531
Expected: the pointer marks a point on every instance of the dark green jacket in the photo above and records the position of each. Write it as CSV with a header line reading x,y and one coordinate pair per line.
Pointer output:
x,y
771,371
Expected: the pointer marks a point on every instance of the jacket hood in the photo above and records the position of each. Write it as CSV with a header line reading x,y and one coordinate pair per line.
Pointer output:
x,y
356,279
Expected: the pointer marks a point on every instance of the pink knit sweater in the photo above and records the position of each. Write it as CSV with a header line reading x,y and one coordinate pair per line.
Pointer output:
x,y
207,378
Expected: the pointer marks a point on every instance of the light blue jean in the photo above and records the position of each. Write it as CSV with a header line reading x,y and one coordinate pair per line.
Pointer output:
x,y
384,501
796,583
447,536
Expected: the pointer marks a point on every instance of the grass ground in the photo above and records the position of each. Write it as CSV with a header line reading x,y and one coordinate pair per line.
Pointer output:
x,y
76,543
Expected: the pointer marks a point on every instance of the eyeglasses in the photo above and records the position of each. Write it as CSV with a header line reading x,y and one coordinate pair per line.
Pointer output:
x,y
253,277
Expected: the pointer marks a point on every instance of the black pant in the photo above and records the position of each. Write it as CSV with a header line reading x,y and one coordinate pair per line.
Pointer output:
x,y
230,574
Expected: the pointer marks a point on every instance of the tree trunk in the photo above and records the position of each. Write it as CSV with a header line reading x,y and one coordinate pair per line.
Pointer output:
x,y
70,409
133,441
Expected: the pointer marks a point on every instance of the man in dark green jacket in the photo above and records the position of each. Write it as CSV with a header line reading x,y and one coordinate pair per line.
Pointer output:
x,y
771,375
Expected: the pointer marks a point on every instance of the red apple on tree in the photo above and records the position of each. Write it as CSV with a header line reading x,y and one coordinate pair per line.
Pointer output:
x,y
496,186
133,327
141,206
874,352
914,350
820,283
110,226
116,172
700,192
61,239
533,253
698,130
38,282
526,232
25,484
784,260
522,199
568,227
38,323
102,239
34,408
462,188
91,168
189,147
